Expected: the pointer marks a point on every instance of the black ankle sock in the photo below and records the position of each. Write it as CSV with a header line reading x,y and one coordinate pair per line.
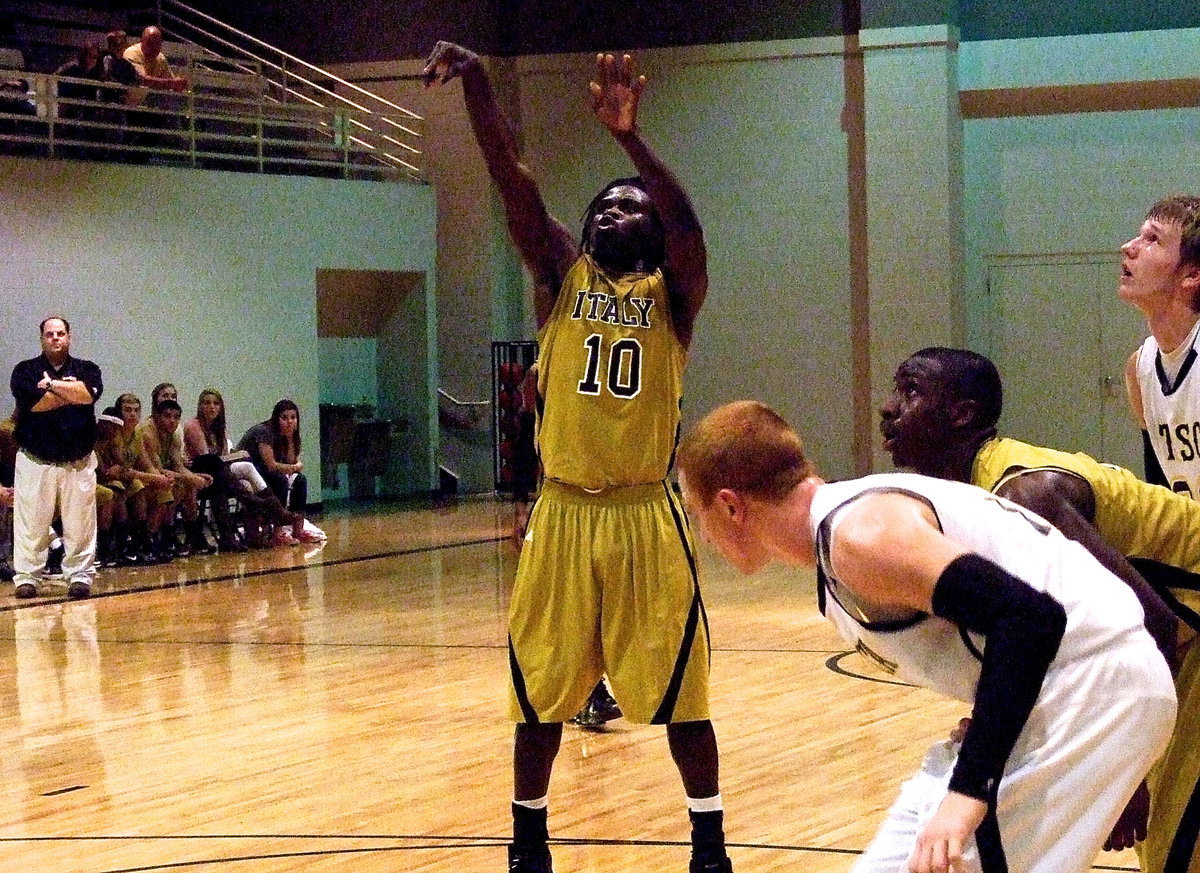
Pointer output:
x,y
529,827
707,833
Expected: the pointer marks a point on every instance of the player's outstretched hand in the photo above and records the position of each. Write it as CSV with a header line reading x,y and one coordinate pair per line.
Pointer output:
x,y
1131,826
446,61
940,844
616,94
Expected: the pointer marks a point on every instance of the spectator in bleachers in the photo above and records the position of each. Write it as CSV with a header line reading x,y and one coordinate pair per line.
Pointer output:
x,y
77,100
274,448
114,68
15,95
151,64
121,77
208,450
139,491
159,112
85,65
163,445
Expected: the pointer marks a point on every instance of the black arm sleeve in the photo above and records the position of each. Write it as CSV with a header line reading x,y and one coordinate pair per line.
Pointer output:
x,y
1154,472
1023,627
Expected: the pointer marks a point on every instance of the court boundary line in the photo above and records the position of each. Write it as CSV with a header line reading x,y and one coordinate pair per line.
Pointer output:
x,y
438,842
252,574
442,842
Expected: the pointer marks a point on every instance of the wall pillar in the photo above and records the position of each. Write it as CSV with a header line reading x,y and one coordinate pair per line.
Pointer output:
x,y
913,133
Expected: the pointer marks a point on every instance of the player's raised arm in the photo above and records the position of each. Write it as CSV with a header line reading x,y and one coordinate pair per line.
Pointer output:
x,y
546,246
616,94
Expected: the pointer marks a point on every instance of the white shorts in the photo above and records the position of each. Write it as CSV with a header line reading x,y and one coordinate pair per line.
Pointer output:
x,y
1066,783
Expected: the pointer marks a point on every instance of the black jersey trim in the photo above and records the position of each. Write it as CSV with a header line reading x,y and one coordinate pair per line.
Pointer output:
x,y
666,709
965,635
678,436
1166,385
518,680
827,582
1162,578
987,839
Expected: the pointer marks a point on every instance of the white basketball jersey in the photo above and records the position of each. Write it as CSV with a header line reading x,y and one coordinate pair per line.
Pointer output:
x,y
1102,612
1104,713
1172,413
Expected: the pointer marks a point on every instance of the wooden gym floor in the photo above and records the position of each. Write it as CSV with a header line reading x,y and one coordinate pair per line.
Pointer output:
x,y
343,709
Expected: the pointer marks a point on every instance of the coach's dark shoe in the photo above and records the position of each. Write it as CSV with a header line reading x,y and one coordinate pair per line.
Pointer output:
x,y
26,590
706,863
79,590
7,573
529,861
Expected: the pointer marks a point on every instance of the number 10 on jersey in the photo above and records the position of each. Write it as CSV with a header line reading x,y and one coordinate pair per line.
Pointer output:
x,y
622,365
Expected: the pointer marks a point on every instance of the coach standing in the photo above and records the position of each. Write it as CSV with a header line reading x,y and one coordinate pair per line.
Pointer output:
x,y
56,396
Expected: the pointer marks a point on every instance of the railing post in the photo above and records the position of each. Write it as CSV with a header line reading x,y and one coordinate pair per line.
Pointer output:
x,y
51,89
341,122
261,134
191,114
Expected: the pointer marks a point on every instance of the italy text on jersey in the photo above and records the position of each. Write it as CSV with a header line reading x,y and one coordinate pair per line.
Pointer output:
x,y
610,309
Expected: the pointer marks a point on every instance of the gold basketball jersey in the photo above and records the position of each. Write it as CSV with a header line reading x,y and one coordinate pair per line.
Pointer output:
x,y
610,372
1138,519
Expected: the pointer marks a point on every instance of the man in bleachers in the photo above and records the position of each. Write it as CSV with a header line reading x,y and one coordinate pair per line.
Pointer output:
x,y
151,64
156,79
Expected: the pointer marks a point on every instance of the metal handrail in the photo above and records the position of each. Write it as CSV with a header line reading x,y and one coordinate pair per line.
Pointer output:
x,y
173,19
442,392
184,129
326,74
462,414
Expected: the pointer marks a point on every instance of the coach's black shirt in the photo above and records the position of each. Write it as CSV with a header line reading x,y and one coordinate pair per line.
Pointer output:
x,y
67,433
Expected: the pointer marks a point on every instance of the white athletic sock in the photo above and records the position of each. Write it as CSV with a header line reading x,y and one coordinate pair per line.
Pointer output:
x,y
705,804
542,802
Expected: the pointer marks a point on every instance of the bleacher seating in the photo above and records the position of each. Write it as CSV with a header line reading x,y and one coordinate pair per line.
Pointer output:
x,y
243,108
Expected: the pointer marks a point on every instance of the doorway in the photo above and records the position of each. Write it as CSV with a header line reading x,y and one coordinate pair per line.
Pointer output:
x,y
378,410
1060,336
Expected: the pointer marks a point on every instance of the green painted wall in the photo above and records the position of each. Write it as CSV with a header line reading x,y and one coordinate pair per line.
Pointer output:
x,y
1066,183
205,278
754,133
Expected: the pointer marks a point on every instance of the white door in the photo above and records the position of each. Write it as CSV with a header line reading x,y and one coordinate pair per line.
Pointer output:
x,y
1060,336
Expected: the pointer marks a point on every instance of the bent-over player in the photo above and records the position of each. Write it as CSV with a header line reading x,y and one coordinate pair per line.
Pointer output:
x,y
975,597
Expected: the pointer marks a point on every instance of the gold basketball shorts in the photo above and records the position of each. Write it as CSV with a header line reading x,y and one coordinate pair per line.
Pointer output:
x,y
607,585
